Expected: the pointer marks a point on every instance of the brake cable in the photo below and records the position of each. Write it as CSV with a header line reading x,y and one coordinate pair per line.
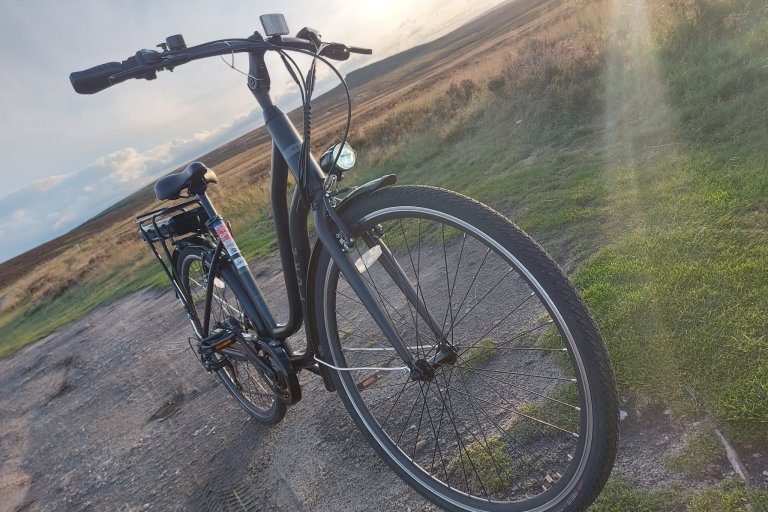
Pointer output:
x,y
305,93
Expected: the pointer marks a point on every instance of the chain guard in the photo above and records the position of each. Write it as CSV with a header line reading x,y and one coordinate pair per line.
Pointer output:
x,y
281,365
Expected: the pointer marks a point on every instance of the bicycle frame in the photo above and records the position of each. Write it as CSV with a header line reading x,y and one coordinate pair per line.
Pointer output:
x,y
294,246
293,242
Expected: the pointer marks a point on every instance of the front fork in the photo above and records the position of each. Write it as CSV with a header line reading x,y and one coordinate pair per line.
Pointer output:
x,y
420,369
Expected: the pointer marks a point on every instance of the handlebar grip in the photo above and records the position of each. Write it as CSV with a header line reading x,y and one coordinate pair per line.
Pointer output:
x,y
364,51
95,79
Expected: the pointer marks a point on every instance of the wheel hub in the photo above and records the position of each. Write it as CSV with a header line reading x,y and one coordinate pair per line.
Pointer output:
x,y
425,370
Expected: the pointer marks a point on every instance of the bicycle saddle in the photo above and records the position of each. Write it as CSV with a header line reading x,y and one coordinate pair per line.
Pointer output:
x,y
195,177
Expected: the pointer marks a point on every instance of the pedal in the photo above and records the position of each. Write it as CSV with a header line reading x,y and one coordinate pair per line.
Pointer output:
x,y
217,341
207,346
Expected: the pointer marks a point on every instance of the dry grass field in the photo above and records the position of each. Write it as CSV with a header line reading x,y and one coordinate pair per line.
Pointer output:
x,y
49,286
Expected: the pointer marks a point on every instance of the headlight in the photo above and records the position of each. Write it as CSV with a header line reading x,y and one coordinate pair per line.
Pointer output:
x,y
347,157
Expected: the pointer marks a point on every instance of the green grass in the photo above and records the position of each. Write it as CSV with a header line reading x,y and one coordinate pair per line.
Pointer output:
x,y
620,495
702,449
486,464
21,327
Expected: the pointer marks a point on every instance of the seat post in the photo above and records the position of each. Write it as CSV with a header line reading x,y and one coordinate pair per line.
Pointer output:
x,y
207,205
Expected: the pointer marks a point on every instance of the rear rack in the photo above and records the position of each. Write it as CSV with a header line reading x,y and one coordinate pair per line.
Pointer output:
x,y
159,227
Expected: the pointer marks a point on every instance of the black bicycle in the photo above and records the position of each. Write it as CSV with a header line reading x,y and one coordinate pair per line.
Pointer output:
x,y
457,345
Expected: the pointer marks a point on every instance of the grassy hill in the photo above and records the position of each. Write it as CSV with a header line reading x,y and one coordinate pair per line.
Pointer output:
x,y
630,139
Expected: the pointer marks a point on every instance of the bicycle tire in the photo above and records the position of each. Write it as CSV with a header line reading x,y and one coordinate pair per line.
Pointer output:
x,y
244,380
477,442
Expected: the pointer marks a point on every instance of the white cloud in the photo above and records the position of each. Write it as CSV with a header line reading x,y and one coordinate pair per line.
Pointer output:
x,y
51,207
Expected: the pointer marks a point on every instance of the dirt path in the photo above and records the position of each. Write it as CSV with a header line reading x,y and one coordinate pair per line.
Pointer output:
x,y
113,412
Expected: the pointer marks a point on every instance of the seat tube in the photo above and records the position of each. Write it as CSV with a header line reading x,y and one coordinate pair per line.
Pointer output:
x,y
265,324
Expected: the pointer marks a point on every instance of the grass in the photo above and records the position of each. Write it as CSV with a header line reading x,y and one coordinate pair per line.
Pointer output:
x,y
702,450
621,495
487,465
477,355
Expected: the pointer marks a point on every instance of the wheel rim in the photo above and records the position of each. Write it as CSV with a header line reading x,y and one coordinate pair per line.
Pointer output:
x,y
506,424
247,383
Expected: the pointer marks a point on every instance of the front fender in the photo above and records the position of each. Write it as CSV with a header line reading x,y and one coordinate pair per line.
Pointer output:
x,y
312,335
369,187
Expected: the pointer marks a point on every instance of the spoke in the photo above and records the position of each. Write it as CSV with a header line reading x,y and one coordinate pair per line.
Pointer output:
x,y
418,433
496,324
405,384
384,307
364,333
499,347
486,370
514,410
455,324
485,443
460,444
404,321
519,335
408,419
536,393
377,349
413,314
503,432
436,437
416,273
378,388
453,288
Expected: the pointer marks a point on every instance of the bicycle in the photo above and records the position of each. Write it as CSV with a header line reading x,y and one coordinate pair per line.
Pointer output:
x,y
457,345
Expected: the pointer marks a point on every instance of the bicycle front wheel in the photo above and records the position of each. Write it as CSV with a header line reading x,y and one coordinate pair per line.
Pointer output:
x,y
523,415
251,388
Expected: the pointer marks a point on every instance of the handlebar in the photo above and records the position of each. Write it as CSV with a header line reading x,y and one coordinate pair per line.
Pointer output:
x,y
146,63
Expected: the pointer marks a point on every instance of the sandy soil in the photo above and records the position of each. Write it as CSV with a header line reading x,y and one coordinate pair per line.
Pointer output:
x,y
114,412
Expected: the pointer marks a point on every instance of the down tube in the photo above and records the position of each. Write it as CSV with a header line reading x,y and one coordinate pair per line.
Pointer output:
x,y
291,243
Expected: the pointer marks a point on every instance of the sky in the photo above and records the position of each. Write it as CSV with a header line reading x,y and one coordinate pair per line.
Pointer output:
x,y
66,156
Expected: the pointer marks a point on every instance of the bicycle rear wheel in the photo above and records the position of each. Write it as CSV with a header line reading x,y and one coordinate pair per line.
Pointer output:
x,y
253,390
524,416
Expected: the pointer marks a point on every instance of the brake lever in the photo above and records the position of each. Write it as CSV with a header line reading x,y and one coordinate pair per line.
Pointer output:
x,y
310,34
335,51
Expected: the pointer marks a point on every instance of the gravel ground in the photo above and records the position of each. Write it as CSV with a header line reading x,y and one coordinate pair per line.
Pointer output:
x,y
113,412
